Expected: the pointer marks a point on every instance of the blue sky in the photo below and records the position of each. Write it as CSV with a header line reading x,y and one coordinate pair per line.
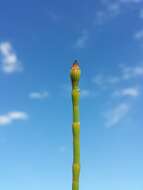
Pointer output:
x,y
39,41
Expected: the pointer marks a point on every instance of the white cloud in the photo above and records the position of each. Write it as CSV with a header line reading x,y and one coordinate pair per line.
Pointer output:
x,y
113,8
131,72
139,35
85,93
53,15
12,116
131,1
39,95
9,60
116,115
126,72
141,14
129,92
82,40
98,79
104,81
110,11
100,17
15,115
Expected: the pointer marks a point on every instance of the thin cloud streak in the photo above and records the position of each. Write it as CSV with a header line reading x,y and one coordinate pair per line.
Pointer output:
x,y
10,117
39,95
141,14
104,81
131,1
128,92
139,35
82,40
115,88
9,61
111,9
114,116
86,93
131,72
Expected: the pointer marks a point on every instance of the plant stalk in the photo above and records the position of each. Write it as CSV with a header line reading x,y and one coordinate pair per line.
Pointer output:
x,y
75,76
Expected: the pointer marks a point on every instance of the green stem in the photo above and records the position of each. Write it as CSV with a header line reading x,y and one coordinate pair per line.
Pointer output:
x,y
75,76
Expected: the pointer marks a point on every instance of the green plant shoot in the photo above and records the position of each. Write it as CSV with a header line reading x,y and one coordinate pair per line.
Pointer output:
x,y
75,76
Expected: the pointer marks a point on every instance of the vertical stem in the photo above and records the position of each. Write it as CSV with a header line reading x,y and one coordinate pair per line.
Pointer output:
x,y
75,76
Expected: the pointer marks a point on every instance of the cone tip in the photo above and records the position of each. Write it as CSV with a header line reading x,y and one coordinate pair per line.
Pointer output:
x,y
76,62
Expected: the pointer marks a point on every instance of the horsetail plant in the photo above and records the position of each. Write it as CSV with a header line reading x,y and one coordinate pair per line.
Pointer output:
x,y
75,76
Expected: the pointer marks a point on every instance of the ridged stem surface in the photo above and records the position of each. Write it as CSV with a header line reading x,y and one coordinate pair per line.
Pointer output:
x,y
75,76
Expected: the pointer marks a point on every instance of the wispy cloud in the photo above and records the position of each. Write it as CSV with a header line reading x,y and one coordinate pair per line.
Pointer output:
x,y
12,116
39,95
86,93
53,15
9,61
125,73
131,72
114,85
128,92
139,35
116,114
104,81
109,11
141,14
131,1
81,40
